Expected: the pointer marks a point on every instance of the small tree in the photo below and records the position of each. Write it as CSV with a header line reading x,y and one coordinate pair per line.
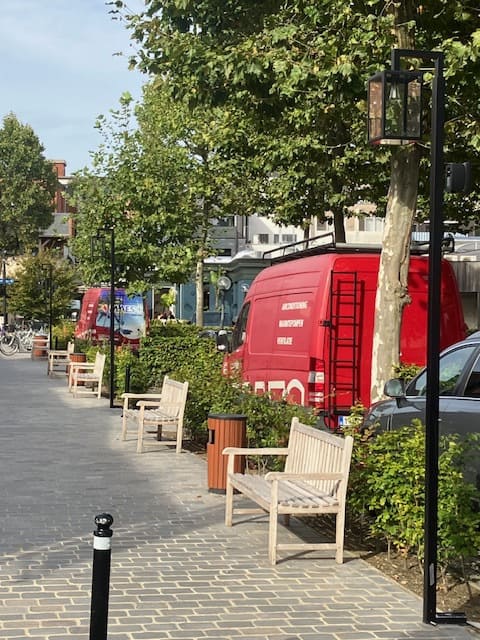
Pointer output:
x,y
30,294
163,186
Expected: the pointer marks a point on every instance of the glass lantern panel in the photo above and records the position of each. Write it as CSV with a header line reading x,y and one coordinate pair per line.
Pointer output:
x,y
375,109
414,109
394,109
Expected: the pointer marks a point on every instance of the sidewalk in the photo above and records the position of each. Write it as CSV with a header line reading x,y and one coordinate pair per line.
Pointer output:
x,y
177,572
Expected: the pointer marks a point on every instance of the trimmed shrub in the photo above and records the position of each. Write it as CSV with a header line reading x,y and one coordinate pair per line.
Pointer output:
x,y
387,489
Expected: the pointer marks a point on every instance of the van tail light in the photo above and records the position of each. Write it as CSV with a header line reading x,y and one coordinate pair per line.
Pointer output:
x,y
316,383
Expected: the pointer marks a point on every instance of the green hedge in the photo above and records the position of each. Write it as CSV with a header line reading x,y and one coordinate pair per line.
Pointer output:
x,y
387,491
177,350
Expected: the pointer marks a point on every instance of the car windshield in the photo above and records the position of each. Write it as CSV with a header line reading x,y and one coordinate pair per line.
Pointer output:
x,y
452,365
472,388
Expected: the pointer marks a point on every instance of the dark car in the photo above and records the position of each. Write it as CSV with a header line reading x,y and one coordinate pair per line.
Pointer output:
x,y
459,401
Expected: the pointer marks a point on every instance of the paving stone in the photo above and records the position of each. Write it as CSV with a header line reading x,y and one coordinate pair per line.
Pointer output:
x,y
177,572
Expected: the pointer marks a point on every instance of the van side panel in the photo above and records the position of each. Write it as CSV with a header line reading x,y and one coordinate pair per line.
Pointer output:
x,y
284,329
309,331
351,319
280,343
452,322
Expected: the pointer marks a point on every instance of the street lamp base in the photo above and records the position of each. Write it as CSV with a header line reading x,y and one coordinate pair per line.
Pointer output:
x,y
450,617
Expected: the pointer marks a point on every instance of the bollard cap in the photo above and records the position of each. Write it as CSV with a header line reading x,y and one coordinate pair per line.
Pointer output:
x,y
103,522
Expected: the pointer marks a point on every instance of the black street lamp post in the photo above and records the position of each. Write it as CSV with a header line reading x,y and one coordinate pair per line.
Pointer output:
x,y
4,278
112,315
100,236
48,283
394,117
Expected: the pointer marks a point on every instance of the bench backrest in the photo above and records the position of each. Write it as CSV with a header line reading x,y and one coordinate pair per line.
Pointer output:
x,y
99,364
174,394
313,451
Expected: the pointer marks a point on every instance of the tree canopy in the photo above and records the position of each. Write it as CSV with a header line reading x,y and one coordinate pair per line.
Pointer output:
x,y
37,277
299,68
27,187
162,177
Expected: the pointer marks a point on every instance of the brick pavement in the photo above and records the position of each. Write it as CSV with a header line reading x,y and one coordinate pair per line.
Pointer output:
x,y
177,572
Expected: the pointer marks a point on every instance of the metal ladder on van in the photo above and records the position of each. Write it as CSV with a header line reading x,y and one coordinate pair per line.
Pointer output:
x,y
344,388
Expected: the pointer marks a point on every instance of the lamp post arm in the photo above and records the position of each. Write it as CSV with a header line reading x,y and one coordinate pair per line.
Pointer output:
x,y
398,54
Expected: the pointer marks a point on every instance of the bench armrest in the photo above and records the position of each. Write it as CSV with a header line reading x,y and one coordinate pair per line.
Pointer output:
x,y
263,451
139,396
158,403
281,475
81,365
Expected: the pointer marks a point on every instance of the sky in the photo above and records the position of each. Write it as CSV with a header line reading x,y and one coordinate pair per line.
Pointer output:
x,y
59,71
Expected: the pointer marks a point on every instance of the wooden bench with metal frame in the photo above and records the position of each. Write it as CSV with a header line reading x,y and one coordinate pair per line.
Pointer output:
x,y
165,409
86,377
314,482
59,358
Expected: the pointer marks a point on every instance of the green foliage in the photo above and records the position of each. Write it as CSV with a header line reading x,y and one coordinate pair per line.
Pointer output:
x,y
125,357
387,486
406,371
164,355
38,277
298,70
63,332
82,345
162,186
172,329
28,187
178,351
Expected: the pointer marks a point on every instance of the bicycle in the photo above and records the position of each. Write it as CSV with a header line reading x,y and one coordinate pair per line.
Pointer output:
x,y
8,343
12,342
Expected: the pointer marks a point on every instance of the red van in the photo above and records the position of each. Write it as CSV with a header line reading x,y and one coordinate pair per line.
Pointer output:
x,y
131,316
305,329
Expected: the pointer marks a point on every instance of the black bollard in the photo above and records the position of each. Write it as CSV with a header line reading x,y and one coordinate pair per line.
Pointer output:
x,y
102,539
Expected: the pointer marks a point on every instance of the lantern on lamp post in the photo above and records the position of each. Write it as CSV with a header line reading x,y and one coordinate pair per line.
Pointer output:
x,y
395,107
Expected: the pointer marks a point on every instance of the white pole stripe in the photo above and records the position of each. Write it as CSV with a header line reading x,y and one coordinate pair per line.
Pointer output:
x,y
102,543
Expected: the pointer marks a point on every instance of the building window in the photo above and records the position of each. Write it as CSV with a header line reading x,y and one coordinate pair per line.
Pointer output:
x,y
276,238
289,237
322,225
224,222
370,223
263,238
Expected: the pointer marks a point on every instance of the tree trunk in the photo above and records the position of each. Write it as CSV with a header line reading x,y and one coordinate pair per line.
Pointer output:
x,y
199,291
392,291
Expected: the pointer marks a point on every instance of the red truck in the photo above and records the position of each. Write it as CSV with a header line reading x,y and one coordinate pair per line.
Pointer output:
x,y
305,329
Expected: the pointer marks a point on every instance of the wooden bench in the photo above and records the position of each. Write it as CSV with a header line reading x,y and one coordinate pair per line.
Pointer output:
x,y
314,482
86,377
59,358
165,409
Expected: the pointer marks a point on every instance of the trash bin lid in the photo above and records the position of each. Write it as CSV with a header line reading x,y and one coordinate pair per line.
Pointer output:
x,y
228,416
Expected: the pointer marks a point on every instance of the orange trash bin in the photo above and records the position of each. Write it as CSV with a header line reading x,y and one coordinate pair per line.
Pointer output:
x,y
224,430
40,347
